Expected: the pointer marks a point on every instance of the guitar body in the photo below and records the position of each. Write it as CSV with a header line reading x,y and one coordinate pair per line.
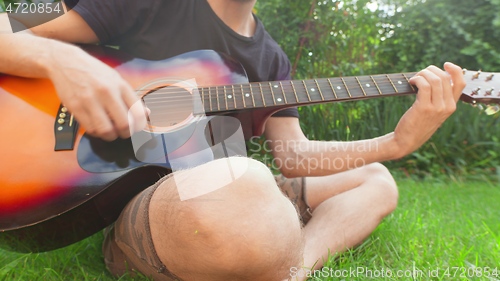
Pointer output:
x,y
47,199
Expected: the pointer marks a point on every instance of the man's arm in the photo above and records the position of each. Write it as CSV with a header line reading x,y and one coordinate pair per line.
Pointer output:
x,y
436,100
96,94
25,55
296,156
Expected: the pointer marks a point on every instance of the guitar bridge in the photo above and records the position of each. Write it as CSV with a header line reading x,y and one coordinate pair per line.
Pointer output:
x,y
65,129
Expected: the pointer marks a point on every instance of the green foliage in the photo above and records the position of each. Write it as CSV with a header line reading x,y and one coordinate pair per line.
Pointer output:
x,y
435,31
329,38
345,38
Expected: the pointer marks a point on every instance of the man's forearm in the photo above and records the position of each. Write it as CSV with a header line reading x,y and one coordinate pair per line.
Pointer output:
x,y
319,158
23,54
27,55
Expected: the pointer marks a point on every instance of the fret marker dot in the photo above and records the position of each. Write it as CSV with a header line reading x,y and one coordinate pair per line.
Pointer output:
x,y
313,90
229,96
247,95
399,82
279,99
275,86
368,85
338,87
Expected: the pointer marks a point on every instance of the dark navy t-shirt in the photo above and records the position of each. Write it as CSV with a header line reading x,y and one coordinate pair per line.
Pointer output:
x,y
159,29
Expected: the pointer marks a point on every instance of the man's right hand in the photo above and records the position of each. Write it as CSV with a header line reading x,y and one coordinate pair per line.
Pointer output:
x,y
96,94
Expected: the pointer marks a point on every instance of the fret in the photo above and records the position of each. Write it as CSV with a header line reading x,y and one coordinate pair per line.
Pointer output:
x,y
333,89
342,88
283,92
243,96
204,102
251,94
394,86
225,98
278,99
272,93
319,90
357,87
367,86
384,86
262,94
376,85
307,91
217,97
234,96
402,83
235,89
210,99
314,91
345,85
361,86
294,91
408,80
288,90
202,97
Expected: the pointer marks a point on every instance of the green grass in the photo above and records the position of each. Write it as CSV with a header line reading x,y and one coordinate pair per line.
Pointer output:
x,y
439,224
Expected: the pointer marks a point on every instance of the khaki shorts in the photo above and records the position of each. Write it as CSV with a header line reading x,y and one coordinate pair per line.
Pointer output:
x,y
128,246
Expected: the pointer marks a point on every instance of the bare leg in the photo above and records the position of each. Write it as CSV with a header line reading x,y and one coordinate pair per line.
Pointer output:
x,y
243,230
347,208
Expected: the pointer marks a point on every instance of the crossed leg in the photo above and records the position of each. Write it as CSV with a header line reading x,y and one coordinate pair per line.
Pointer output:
x,y
247,229
347,207
243,229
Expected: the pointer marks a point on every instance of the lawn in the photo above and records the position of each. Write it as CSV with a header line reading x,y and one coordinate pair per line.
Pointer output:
x,y
442,230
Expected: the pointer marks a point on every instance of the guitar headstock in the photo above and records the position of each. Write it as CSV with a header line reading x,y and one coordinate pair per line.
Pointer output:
x,y
482,87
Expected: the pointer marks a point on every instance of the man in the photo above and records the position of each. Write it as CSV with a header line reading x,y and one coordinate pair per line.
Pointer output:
x,y
247,229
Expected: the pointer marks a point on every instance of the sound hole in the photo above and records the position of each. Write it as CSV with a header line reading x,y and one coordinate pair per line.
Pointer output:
x,y
171,107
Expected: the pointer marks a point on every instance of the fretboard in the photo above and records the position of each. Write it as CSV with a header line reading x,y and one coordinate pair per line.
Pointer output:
x,y
219,99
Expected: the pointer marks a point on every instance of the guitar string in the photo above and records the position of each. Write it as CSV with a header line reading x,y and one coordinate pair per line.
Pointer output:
x,y
220,92
158,105
189,99
188,103
348,80
203,90
374,93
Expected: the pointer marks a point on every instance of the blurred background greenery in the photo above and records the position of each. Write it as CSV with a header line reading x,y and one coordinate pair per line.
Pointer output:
x,y
361,37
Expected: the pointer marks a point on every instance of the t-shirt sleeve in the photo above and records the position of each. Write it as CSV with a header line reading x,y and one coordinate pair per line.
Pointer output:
x,y
287,112
283,73
109,18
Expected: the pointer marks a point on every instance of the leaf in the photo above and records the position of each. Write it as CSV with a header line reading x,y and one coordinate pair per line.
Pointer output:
x,y
4,270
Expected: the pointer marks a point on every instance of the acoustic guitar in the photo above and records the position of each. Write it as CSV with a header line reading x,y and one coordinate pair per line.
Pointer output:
x,y
59,185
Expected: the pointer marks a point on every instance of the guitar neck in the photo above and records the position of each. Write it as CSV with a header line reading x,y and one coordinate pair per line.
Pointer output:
x,y
282,94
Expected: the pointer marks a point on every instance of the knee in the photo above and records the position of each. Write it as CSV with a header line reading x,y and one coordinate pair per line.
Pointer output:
x,y
386,190
259,246
256,230
246,230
